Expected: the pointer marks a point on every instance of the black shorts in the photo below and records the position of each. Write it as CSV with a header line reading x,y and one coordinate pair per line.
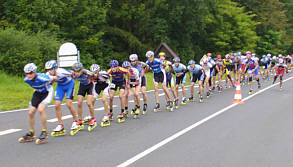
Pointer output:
x,y
143,81
120,85
196,77
133,80
85,89
179,80
100,86
159,77
38,98
266,66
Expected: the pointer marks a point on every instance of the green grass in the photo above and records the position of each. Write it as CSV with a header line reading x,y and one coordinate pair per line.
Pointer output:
x,y
16,94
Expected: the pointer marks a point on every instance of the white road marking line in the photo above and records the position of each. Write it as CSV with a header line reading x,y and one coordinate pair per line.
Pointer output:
x,y
102,108
63,118
5,132
182,132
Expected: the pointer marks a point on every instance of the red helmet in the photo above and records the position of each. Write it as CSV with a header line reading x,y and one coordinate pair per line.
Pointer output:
x,y
219,57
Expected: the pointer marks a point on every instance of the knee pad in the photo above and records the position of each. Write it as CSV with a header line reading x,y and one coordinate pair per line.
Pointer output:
x,y
250,79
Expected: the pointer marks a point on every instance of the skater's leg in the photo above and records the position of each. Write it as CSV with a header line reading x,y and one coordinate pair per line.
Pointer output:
x,y
42,111
112,93
71,109
90,105
167,93
121,96
58,111
31,118
143,90
156,85
79,104
105,102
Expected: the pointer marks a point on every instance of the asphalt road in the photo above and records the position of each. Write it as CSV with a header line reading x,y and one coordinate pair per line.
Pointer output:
x,y
210,134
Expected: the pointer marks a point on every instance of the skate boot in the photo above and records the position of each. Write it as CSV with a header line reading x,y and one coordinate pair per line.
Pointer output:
x,y
144,111
250,92
133,111
126,112
111,116
121,118
176,104
208,94
105,121
281,88
136,113
42,138
157,108
86,120
183,101
58,131
170,105
74,128
200,99
259,87
92,125
190,99
28,137
198,92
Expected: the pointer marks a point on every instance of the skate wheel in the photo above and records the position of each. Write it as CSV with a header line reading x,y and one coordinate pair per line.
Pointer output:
x,y
38,141
53,134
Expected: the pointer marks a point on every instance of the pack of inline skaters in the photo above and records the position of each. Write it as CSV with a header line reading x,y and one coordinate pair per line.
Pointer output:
x,y
130,79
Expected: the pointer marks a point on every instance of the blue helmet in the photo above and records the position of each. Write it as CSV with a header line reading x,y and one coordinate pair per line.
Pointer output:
x,y
176,59
114,63
50,64
191,62
126,64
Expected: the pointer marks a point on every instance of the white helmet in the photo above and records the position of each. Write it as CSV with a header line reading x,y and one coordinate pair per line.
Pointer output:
x,y
133,57
274,57
149,54
95,68
30,67
280,55
253,54
269,55
50,64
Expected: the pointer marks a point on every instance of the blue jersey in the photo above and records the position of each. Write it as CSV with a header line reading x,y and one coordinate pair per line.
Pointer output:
x,y
197,68
85,78
251,64
156,65
63,76
41,83
181,68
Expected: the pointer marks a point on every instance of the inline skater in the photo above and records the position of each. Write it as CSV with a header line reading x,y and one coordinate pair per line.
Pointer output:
x,y
65,85
118,82
169,77
252,67
207,71
134,87
101,83
140,66
42,96
219,71
280,69
195,73
155,65
228,69
265,64
86,85
180,73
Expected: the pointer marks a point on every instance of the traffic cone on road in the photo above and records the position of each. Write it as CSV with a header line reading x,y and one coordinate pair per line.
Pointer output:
x,y
238,96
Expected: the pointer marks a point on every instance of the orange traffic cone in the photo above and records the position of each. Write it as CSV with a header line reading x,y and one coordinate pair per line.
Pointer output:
x,y
238,96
